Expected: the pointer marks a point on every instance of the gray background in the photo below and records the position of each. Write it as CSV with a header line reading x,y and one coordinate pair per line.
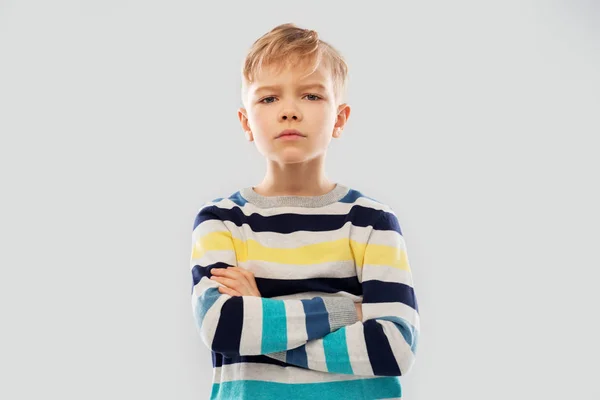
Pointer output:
x,y
477,121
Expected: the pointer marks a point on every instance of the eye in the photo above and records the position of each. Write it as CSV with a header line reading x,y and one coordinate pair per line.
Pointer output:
x,y
317,97
263,100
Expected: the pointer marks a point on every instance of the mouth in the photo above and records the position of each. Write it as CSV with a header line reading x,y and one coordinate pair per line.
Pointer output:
x,y
290,133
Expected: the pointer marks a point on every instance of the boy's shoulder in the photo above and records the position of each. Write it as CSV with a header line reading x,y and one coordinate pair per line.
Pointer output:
x,y
227,201
358,197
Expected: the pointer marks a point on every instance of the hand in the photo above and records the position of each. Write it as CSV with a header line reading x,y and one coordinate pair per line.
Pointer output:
x,y
359,310
237,280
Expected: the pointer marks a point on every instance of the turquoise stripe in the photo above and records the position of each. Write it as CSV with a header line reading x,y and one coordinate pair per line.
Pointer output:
x,y
359,389
274,329
205,302
336,352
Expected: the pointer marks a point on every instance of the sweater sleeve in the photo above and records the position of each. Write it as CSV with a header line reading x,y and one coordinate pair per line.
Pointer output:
x,y
249,325
384,343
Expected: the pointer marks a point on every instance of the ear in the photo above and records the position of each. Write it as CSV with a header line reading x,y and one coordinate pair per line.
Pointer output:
x,y
243,117
342,117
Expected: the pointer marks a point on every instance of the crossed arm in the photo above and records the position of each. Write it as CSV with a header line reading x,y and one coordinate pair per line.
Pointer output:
x,y
322,333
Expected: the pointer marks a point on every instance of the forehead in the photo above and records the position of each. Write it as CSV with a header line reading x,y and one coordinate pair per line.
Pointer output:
x,y
291,76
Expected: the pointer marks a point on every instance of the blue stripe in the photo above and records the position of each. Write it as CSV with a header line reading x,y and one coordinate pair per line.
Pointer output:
x,y
354,195
297,357
407,330
291,222
274,333
336,352
238,199
355,389
375,291
317,318
379,350
204,302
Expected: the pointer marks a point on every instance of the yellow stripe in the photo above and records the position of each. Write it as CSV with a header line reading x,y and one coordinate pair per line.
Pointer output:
x,y
392,256
211,242
331,251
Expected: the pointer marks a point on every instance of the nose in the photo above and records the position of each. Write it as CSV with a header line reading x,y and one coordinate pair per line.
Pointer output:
x,y
290,113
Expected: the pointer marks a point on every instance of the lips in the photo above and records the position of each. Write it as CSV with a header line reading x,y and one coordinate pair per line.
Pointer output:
x,y
290,132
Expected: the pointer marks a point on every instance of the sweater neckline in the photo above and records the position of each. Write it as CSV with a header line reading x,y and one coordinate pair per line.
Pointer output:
x,y
334,195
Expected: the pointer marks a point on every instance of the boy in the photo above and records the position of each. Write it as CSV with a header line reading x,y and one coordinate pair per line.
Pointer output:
x,y
301,286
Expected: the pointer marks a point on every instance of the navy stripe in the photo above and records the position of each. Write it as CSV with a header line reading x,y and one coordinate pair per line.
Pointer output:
x,y
219,360
291,222
387,222
229,329
198,271
379,350
280,287
317,325
373,291
388,292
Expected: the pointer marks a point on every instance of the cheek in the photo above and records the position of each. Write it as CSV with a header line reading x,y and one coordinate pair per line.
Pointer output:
x,y
260,118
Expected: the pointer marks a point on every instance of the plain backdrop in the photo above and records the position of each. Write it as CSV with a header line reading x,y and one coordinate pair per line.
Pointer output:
x,y
478,122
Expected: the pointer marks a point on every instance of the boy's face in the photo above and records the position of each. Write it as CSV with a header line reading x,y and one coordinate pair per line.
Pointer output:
x,y
292,101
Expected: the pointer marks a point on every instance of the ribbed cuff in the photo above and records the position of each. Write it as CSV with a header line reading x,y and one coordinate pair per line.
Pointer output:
x,y
342,312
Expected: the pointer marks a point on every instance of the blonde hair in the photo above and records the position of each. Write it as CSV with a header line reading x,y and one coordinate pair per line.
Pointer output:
x,y
289,45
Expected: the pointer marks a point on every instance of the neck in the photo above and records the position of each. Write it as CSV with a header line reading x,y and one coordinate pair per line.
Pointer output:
x,y
299,179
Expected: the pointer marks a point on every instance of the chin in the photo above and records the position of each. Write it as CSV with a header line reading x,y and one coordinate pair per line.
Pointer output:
x,y
291,156
290,160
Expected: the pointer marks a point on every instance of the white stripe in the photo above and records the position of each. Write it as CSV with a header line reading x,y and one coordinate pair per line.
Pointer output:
x,y
357,349
204,284
387,238
401,349
276,373
377,310
386,273
251,341
315,354
208,226
295,323
214,256
272,270
296,239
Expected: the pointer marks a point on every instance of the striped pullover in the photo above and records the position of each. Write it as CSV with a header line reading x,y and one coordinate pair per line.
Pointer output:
x,y
313,257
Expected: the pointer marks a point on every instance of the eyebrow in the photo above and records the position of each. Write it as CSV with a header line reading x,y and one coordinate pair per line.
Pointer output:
x,y
306,86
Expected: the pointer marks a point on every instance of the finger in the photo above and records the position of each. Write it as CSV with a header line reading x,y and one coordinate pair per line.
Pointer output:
x,y
231,273
230,283
237,274
231,292
251,280
248,274
243,271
